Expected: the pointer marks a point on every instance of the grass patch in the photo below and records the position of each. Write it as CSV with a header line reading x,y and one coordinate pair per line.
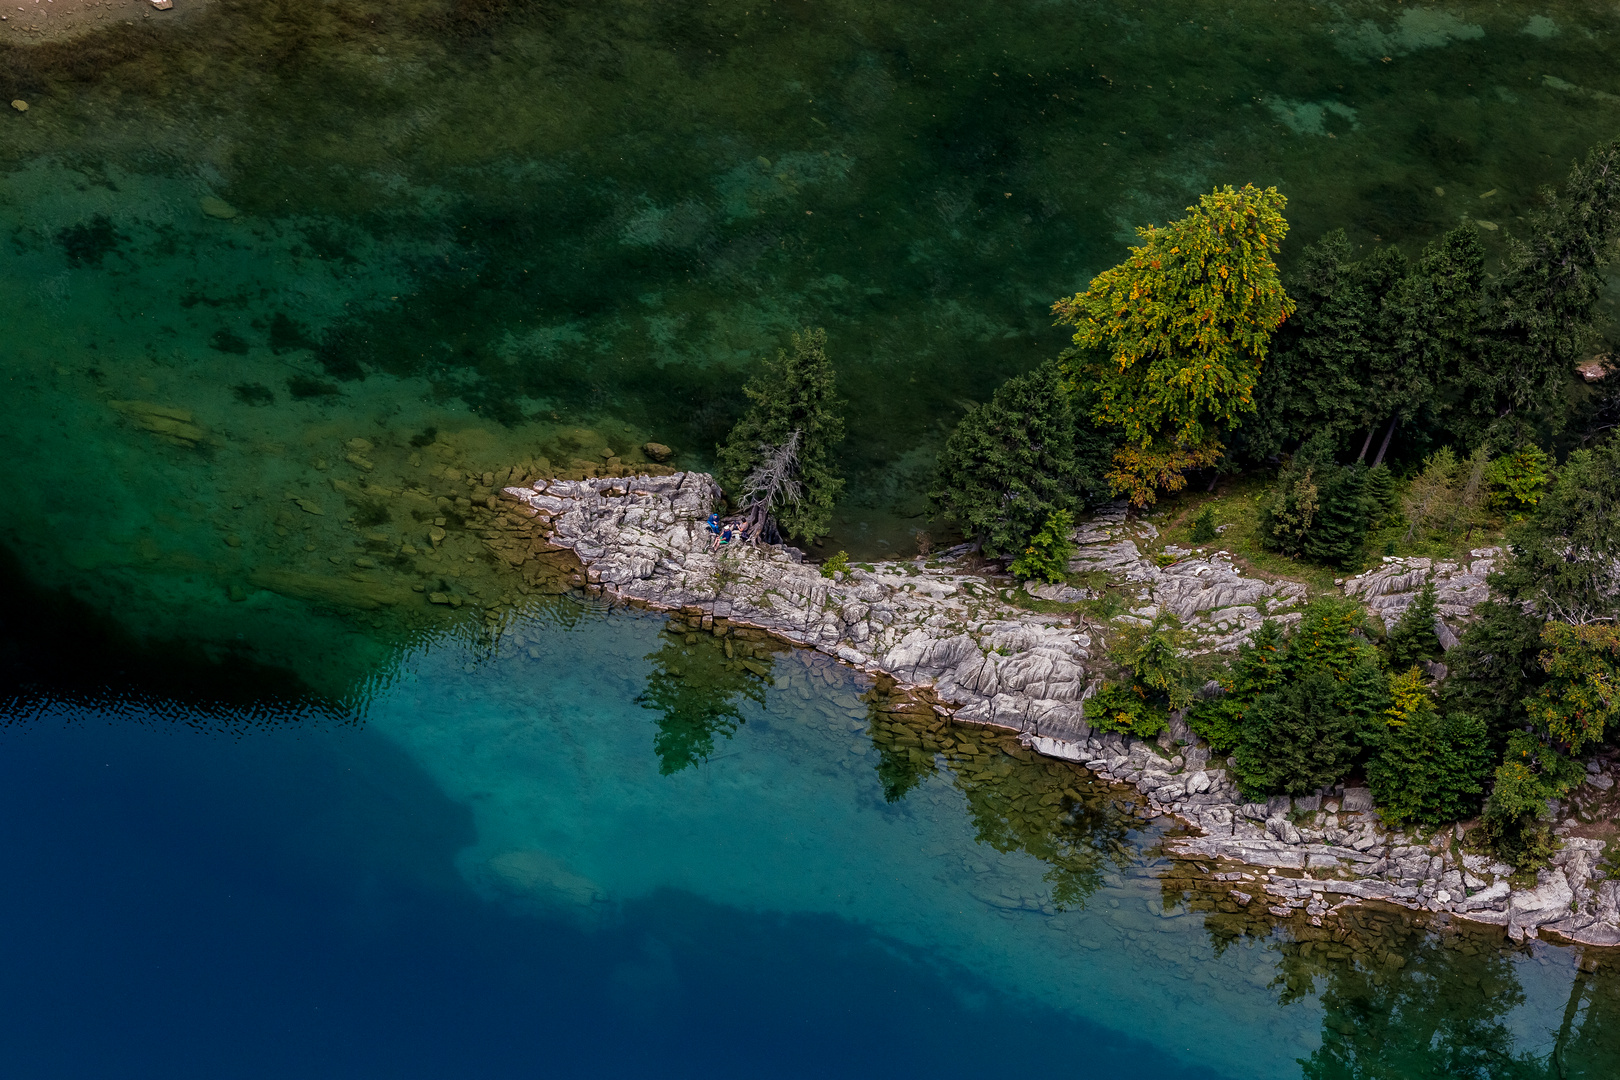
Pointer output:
x,y
1236,505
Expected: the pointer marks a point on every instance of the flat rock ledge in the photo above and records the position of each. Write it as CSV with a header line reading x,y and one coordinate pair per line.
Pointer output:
x,y
952,637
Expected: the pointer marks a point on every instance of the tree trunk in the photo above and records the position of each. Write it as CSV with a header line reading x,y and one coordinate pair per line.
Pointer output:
x,y
1366,443
1384,446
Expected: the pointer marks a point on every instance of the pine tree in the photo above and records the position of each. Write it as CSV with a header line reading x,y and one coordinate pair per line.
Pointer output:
x,y
1015,460
1495,666
1311,728
1430,769
796,392
1413,637
1541,310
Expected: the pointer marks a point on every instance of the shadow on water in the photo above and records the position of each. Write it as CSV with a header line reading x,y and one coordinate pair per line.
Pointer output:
x,y
56,651
1017,800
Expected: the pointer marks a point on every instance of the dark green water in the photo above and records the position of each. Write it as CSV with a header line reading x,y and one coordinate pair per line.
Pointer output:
x,y
477,234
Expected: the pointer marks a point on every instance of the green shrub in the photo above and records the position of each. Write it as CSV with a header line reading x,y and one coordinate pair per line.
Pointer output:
x,y
1581,697
837,564
1203,526
1430,769
1124,707
1154,657
1515,481
1516,812
1412,638
1047,556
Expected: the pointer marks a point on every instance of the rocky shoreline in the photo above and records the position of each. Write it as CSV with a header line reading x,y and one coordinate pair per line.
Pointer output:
x,y
956,640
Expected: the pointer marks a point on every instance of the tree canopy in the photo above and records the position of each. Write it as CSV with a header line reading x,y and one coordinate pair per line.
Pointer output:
x,y
795,393
1014,461
1173,338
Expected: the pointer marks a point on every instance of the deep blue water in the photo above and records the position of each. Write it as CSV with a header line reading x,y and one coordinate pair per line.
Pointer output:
x,y
196,904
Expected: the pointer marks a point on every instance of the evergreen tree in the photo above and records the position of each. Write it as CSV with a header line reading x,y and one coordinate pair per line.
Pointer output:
x,y
1566,558
1317,508
1012,462
1381,493
1430,769
1413,638
1435,307
1311,728
796,392
1341,521
1321,355
1541,310
1495,667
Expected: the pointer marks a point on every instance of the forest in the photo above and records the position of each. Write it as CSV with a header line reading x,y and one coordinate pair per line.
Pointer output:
x,y
1371,404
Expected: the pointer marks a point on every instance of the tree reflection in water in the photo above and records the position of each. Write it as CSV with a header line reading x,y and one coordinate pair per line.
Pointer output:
x,y
1018,800
1405,997
699,680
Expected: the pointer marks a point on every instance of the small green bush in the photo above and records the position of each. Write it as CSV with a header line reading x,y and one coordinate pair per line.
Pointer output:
x,y
1256,671
837,564
1125,708
1516,480
1154,657
1049,551
1203,526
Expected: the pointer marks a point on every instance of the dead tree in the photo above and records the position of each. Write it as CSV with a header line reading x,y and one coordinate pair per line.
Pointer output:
x,y
773,482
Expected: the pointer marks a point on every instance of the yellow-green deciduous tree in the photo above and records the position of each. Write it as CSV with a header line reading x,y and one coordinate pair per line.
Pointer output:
x,y
1173,338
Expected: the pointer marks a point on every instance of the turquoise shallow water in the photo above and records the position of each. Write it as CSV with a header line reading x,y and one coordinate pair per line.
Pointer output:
x,y
493,870
281,283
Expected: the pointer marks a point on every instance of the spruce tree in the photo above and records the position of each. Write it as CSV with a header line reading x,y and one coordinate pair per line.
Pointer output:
x,y
1015,460
1541,310
1318,508
1495,667
1310,730
1341,519
1413,638
1430,769
797,392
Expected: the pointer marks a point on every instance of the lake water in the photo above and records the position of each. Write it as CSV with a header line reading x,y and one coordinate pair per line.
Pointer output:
x,y
272,272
